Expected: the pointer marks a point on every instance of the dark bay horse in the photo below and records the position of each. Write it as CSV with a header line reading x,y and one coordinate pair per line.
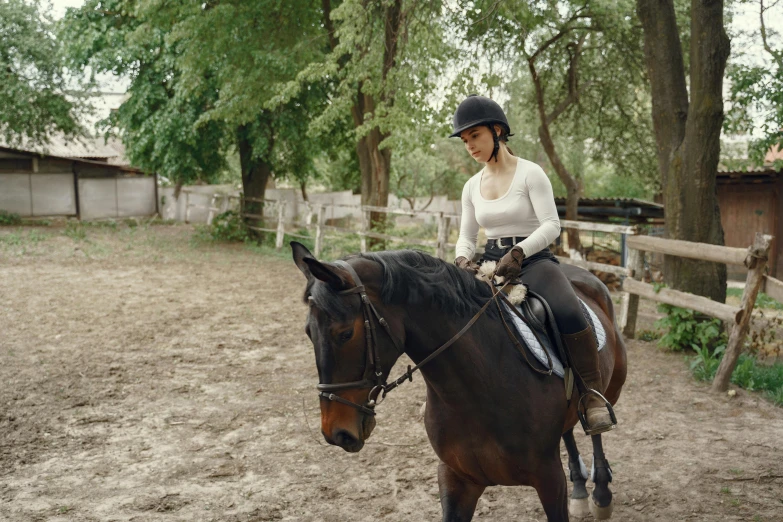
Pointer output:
x,y
491,419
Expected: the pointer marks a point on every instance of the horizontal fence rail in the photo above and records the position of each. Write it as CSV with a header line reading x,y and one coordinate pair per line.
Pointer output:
x,y
636,245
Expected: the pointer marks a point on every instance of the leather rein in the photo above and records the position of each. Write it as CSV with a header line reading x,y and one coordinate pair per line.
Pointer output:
x,y
373,373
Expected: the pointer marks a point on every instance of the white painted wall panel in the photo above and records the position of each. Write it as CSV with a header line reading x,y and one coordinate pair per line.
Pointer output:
x,y
98,198
53,195
15,194
136,196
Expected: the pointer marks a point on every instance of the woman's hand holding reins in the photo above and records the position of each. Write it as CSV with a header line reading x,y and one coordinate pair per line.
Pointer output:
x,y
466,264
510,265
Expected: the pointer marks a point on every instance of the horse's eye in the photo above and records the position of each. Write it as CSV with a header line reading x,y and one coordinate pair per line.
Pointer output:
x,y
345,336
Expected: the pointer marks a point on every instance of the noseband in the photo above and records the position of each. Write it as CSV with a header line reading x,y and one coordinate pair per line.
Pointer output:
x,y
375,381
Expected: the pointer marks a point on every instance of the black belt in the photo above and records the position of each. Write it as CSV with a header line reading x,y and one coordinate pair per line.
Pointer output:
x,y
504,242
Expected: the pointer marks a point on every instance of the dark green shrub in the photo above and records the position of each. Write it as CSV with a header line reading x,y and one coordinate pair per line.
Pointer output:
x,y
685,329
228,226
9,218
649,335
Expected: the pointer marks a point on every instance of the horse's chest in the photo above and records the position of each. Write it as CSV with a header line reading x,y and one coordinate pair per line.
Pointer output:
x,y
483,463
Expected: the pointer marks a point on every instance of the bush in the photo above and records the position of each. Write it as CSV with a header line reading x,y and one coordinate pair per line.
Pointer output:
x,y
685,329
649,335
228,226
9,219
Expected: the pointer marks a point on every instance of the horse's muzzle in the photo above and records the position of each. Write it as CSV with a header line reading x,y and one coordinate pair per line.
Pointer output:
x,y
349,441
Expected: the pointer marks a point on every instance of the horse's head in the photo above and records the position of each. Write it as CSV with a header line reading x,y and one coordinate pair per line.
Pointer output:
x,y
351,360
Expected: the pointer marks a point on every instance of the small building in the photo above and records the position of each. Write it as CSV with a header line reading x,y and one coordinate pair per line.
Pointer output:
x,y
750,202
86,179
630,211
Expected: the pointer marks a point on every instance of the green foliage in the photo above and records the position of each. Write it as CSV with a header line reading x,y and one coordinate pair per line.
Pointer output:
x,y
33,85
606,126
9,218
705,363
749,374
228,226
158,121
75,230
649,335
757,91
762,299
685,329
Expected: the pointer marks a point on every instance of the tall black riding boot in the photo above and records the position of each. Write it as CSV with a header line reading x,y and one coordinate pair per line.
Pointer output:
x,y
583,351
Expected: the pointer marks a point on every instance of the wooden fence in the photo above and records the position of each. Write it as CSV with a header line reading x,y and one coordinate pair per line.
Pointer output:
x,y
754,258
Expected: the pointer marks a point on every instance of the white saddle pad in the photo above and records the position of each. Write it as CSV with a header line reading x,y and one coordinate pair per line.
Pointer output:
x,y
539,351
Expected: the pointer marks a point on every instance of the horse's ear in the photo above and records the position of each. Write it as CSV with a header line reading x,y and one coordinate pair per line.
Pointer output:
x,y
311,267
301,253
325,273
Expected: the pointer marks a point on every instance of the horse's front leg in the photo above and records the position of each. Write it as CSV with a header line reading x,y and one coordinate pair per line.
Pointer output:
x,y
552,489
458,497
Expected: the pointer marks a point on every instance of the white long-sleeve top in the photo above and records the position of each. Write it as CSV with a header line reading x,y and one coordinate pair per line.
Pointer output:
x,y
527,209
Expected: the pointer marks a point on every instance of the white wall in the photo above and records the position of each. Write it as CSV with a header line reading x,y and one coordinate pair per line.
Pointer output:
x,y
103,198
200,196
15,194
38,194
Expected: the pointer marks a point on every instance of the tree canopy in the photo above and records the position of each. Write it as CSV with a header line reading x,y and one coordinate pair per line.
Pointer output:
x,y
34,90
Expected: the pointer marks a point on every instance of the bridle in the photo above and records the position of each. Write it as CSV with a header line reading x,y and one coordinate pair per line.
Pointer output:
x,y
373,372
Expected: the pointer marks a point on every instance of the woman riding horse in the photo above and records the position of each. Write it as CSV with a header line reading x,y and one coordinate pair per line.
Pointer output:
x,y
512,199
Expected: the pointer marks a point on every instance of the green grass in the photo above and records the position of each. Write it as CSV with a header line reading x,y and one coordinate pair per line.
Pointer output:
x,y
76,230
19,237
762,300
749,373
9,219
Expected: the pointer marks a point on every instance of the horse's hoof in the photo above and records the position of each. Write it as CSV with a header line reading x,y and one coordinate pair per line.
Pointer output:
x,y
601,513
578,507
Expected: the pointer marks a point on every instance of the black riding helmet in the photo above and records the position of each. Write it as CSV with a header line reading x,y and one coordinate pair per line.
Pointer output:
x,y
478,110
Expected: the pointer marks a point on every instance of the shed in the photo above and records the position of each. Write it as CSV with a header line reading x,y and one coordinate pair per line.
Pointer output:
x,y
631,211
750,202
85,179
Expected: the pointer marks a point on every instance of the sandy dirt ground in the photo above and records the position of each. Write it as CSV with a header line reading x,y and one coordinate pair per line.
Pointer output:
x,y
148,377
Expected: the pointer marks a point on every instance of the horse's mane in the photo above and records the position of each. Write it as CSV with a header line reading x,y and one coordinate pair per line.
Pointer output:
x,y
413,277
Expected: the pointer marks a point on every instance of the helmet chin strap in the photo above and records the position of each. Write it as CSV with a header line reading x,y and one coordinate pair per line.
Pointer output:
x,y
496,139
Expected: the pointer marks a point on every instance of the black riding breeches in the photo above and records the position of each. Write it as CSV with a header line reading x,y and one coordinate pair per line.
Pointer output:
x,y
542,274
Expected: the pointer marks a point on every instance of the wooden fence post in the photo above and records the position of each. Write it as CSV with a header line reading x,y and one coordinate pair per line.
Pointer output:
x,y
319,229
212,204
280,224
631,304
309,216
756,262
365,228
443,236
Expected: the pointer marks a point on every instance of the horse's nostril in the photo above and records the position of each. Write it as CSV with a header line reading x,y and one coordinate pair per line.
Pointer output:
x,y
343,438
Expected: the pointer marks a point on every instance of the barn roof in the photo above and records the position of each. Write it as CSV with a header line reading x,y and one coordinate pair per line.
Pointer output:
x,y
86,161
97,149
609,209
749,175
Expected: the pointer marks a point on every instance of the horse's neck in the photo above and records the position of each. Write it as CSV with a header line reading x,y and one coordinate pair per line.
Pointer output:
x,y
472,364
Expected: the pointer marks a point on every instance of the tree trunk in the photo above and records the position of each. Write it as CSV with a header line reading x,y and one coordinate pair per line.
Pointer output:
x,y
572,184
688,134
255,174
